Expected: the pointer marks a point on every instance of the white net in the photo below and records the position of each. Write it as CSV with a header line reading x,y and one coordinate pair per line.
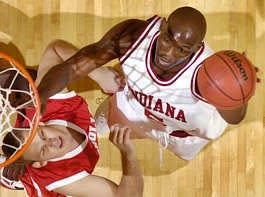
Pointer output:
x,y
16,95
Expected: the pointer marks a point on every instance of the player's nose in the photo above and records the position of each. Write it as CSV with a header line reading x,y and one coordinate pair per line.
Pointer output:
x,y
52,142
169,53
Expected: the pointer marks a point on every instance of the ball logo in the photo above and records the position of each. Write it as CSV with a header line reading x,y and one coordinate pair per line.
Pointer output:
x,y
234,57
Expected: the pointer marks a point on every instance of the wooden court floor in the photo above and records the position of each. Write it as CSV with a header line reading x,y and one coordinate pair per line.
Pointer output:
x,y
233,165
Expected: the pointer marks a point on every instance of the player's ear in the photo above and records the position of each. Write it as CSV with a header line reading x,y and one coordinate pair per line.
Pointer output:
x,y
163,26
39,164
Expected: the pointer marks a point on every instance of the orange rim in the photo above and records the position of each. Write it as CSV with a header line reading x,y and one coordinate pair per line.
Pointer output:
x,y
37,118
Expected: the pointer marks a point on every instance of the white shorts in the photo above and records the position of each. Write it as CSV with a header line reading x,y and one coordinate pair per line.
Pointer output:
x,y
184,147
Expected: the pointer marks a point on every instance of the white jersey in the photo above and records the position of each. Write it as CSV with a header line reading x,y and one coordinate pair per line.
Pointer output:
x,y
172,102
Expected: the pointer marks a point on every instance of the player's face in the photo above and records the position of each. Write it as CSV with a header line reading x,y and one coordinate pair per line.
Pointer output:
x,y
173,47
49,142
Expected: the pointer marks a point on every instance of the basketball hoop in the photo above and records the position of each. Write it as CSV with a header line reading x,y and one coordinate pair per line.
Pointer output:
x,y
10,74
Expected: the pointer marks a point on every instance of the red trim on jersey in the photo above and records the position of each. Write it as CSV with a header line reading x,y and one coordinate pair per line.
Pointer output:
x,y
140,38
151,18
150,64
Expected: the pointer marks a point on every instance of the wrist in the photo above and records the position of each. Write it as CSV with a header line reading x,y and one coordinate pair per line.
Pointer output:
x,y
129,155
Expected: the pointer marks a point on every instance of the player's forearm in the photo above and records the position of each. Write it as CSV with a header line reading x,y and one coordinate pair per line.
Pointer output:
x,y
77,66
131,184
54,81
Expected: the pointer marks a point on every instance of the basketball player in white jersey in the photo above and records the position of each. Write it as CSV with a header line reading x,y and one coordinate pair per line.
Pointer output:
x,y
64,151
159,59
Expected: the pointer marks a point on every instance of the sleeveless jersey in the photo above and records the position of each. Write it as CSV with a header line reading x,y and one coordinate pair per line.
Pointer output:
x,y
174,102
69,110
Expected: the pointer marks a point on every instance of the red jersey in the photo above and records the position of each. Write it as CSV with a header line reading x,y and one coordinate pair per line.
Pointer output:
x,y
70,110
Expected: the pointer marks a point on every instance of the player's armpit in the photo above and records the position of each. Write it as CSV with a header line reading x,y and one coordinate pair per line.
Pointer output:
x,y
89,186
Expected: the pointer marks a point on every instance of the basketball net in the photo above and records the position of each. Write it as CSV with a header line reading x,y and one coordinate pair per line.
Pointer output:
x,y
10,74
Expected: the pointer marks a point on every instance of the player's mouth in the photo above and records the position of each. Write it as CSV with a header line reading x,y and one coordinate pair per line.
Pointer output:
x,y
163,61
60,142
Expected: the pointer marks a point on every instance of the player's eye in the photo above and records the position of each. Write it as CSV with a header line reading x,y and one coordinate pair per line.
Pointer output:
x,y
41,133
180,49
166,38
42,152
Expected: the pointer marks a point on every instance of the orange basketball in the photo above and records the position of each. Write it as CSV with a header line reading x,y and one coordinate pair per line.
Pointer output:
x,y
226,79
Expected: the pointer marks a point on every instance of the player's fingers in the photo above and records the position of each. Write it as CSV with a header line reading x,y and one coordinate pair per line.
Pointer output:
x,y
111,134
244,53
116,135
120,82
257,70
117,79
114,130
121,135
126,138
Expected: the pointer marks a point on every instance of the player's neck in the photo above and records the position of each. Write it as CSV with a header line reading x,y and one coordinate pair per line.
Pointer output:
x,y
169,73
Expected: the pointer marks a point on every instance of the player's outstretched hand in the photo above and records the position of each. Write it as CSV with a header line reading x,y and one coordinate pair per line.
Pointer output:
x,y
120,137
112,81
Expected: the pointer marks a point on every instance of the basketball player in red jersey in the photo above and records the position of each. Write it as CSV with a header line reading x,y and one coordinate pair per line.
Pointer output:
x,y
160,59
64,151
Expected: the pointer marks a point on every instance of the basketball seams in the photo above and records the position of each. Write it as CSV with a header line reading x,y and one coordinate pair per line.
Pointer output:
x,y
224,93
225,68
234,74
251,75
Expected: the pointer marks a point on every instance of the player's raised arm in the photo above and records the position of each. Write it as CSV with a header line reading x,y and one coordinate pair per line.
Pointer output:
x,y
131,184
115,42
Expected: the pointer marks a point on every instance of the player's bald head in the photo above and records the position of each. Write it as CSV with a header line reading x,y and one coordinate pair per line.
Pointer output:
x,y
187,20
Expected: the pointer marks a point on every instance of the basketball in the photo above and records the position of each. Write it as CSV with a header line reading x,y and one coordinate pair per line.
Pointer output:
x,y
227,79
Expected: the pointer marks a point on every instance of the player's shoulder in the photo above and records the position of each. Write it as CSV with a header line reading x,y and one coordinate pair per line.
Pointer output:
x,y
204,51
207,49
133,22
141,23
